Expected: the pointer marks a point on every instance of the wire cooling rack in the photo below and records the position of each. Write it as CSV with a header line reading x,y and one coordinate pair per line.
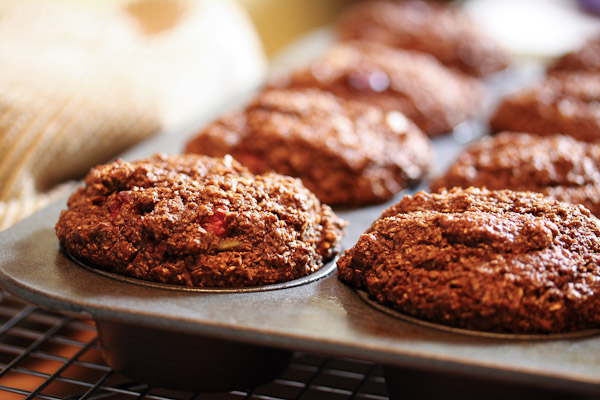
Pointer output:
x,y
45,355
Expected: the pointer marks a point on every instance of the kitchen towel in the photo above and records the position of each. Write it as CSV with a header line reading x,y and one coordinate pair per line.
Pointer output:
x,y
80,82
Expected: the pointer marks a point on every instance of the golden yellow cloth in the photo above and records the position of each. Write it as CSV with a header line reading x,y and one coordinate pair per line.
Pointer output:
x,y
80,82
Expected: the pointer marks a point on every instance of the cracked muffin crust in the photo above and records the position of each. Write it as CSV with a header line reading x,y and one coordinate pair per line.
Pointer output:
x,y
443,31
198,221
558,166
416,84
347,153
500,261
566,103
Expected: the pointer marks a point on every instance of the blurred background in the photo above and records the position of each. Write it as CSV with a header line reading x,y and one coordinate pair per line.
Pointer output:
x,y
82,81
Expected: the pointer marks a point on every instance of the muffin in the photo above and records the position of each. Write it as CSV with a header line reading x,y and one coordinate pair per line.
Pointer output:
x,y
557,165
587,58
567,103
497,261
198,221
416,84
441,30
347,153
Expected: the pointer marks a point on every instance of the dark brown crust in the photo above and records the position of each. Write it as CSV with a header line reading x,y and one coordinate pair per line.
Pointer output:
x,y
587,58
198,221
567,103
498,261
416,84
443,31
346,153
558,166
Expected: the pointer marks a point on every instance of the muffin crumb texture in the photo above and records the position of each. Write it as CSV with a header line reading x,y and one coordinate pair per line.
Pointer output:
x,y
557,165
586,58
436,98
198,221
347,153
565,103
498,261
444,31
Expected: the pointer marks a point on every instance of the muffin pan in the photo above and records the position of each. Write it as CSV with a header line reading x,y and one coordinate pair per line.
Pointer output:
x,y
139,324
217,341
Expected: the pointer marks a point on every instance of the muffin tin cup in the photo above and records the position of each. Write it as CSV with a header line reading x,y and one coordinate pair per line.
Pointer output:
x,y
188,362
409,383
183,361
470,332
412,384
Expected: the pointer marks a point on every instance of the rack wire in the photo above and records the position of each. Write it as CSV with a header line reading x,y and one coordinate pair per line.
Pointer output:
x,y
45,355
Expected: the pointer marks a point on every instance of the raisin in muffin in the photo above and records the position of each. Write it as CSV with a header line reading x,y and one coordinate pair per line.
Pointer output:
x,y
346,153
567,103
499,261
416,84
441,30
198,221
557,165
587,58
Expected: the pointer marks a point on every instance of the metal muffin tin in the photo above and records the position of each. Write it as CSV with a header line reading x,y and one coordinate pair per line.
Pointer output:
x,y
324,316
189,339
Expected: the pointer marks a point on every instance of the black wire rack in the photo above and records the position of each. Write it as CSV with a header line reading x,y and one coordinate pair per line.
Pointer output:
x,y
45,355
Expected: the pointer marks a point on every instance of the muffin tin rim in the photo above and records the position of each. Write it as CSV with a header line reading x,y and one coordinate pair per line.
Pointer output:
x,y
366,297
327,268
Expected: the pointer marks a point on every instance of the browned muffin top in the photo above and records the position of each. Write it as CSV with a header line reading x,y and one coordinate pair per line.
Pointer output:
x,y
434,97
441,30
557,165
587,58
567,103
499,261
198,221
345,152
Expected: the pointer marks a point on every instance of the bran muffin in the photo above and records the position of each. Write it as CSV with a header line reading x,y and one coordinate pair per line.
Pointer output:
x,y
441,30
347,153
416,84
557,165
198,221
567,103
499,261
587,58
